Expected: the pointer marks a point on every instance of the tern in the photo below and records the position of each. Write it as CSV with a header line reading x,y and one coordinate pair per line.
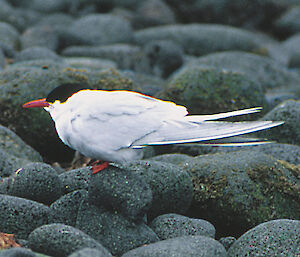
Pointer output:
x,y
114,126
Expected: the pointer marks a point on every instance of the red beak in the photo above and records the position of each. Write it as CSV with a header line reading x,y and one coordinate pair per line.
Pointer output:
x,y
36,103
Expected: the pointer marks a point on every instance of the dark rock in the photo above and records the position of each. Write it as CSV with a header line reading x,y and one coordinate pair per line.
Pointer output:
x,y
20,216
2,59
76,179
90,252
238,190
120,190
188,246
206,90
8,50
9,35
276,96
61,240
272,238
172,158
173,225
227,241
14,145
36,52
266,71
93,29
292,46
116,233
65,208
201,39
289,112
163,57
17,252
43,36
38,182
171,186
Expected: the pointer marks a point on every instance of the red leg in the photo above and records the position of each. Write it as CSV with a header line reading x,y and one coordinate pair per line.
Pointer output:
x,y
99,167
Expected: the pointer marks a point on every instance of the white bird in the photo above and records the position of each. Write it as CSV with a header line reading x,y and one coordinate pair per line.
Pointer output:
x,y
113,126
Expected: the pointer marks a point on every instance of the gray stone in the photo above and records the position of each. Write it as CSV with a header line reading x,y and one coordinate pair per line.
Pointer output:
x,y
188,246
35,53
172,158
17,252
89,63
120,190
291,45
272,238
171,186
20,216
61,240
288,23
90,252
173,225
115,232
201,39
9,35
38,182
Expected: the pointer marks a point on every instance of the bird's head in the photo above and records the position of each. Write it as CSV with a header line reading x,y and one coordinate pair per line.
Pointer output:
x,y
57,96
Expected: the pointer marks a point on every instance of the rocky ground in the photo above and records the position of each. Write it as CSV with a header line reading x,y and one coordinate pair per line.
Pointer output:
x,y
183,200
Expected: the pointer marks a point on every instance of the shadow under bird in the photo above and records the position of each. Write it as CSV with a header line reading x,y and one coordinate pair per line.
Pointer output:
x,y
114,126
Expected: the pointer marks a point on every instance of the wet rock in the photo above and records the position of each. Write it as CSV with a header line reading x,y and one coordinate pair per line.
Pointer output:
x,y
272,238
201,39
90,252
171,186
92,29
38,182
65,208
189,246
43,36
37,52
120,190
266,71
61,240
173,225
206,90
289,112
9,35
20,216
76,179
239,190
115,232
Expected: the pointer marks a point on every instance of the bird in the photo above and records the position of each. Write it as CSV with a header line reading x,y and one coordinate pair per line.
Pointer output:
x,y
114,126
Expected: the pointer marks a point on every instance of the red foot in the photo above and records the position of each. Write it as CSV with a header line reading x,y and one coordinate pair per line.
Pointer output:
x,y
99,167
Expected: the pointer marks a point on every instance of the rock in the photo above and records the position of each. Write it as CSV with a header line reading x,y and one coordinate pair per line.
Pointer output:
x,y
266,71
173,225
163,56
201,39
47,6
272,238
9,36
14,145
238,190
115,232
227,241
65,208
43,36
89,63
2,59
35,53
17,252
93,29
289,112
172,158
90,252
189,246
20,216
57,21
38,182
206,90
288,22
61,240
292,46
171,186
120,190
